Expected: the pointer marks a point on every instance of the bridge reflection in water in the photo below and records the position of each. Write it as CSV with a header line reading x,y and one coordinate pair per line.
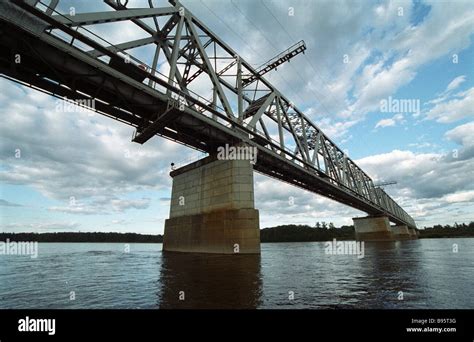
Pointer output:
x,y
210,281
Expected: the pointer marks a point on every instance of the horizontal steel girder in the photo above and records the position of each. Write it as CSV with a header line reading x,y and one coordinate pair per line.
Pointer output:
x,y
112,16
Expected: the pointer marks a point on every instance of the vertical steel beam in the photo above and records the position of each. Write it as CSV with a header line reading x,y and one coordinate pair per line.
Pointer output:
x,y
52,6
154,64
305,139
174,53
293,132
211,72
280,126
315,160
240,100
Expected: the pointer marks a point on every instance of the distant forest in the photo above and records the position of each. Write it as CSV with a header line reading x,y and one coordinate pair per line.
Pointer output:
x,y
81,237
439,231
284,233
325,232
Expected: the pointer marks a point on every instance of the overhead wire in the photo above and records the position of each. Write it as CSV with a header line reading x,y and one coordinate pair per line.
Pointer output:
x,y
250,47
323,81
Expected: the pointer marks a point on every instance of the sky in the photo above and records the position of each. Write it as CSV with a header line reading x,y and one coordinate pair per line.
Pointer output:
x,y
75,170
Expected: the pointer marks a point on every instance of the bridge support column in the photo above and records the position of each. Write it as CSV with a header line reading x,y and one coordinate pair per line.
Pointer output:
x,y
401,232
212,209
372,228
413,233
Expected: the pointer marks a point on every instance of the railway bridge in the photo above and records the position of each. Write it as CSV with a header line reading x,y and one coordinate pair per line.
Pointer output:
x,y
180,81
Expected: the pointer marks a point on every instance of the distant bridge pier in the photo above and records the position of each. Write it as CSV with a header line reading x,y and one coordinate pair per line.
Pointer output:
x,y
401,232
373,228
212,208
377,228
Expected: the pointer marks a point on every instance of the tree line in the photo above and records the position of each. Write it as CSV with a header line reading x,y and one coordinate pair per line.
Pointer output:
x,y
82,237
457,230
282,233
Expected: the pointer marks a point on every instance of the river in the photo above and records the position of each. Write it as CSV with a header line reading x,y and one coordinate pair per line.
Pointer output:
x,y
425,274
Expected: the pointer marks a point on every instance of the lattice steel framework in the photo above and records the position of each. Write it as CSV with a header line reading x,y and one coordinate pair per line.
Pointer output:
x,y
188,59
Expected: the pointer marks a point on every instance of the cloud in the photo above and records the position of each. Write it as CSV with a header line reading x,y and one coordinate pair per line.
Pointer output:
x,y
447,93
422,175
80,155
104,206
455,83
382,83
40,227
462,196
335,129
463,135
122,205
431,187
385,50
6,203
385,123
421,145
390,122
441,32
76,209
460,107
286,204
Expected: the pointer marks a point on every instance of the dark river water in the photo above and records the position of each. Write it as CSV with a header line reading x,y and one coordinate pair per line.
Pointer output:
x,y
407,274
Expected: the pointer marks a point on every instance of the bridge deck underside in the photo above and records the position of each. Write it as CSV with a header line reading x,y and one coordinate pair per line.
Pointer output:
x,y
57,73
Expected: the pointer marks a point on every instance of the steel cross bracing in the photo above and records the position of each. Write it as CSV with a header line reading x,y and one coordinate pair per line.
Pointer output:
x,y
236,103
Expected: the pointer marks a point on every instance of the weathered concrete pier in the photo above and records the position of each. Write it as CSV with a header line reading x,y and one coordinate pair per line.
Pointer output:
x,y
212,208
377,228
401,232
372,228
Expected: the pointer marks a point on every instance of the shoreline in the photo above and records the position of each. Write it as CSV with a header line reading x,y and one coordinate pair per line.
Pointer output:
x,y
18,237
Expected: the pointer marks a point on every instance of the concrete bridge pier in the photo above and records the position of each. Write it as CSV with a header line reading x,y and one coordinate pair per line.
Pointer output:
x,y
413,233
401,232
212,208
373,228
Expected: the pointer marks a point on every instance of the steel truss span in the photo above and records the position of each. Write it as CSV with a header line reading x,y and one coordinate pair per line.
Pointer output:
x,y
179,80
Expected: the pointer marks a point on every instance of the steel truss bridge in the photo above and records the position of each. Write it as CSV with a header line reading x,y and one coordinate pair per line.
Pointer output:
x,y
67,55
